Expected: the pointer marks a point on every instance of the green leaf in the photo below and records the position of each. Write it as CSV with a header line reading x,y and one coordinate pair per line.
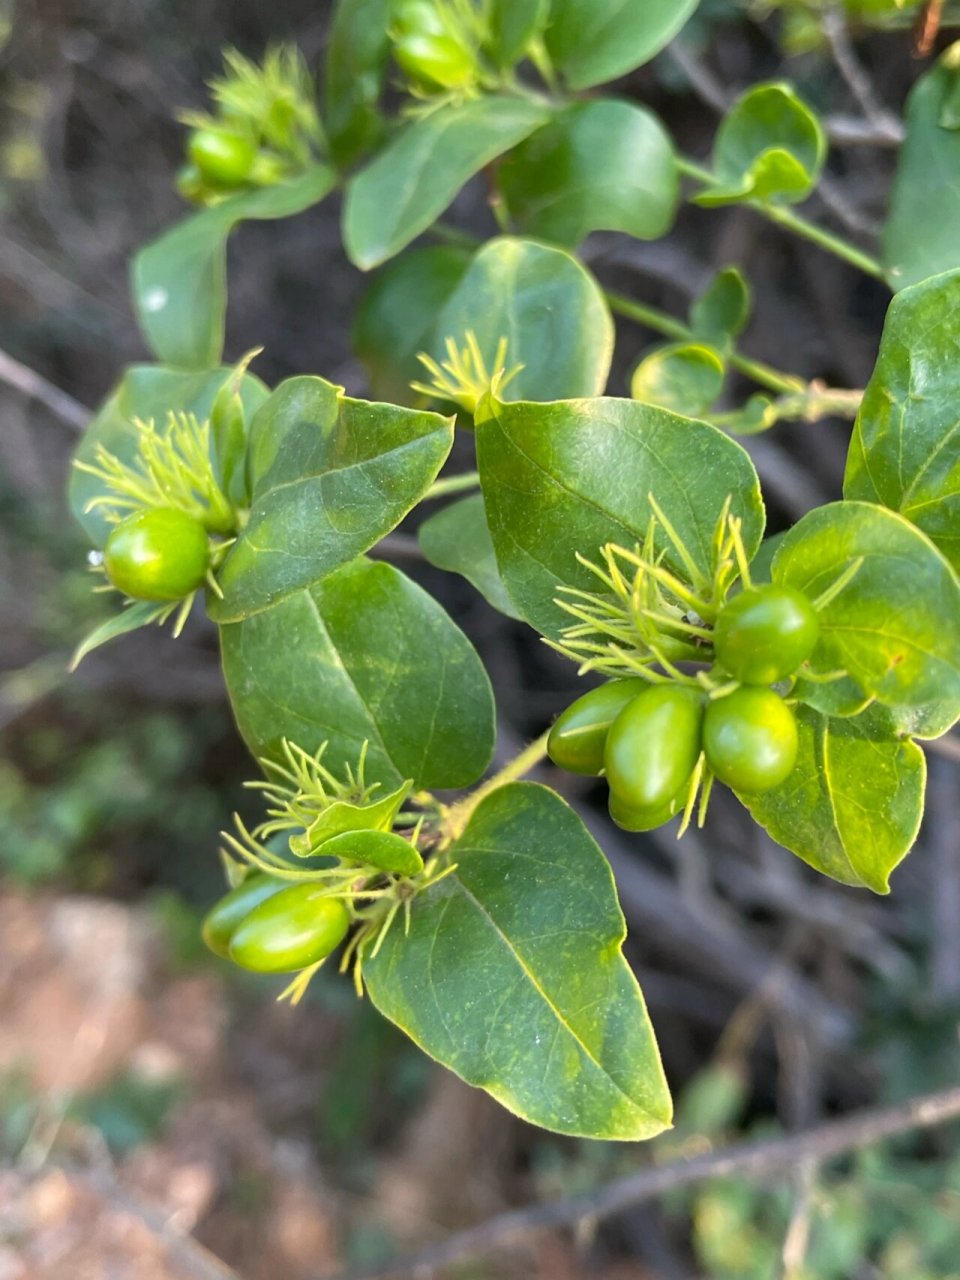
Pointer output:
x,y
344,818
329,477
905,450
397,313
770,146
147,392
851,808
549,308
758,414
721,312
413,179
179,281
572,476
382,849
356,62
512,975
685,376
592,41
599,166
895,627
921,236
363,656
458,539
513,24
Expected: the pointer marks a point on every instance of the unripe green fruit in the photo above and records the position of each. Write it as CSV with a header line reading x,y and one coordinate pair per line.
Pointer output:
x,y
765,634
157,554
653,746
223,918
290,931
428,50
579,733
750,739
223,157
642,819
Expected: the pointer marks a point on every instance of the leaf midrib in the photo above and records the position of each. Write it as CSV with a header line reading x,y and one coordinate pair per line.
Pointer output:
x,y
531,977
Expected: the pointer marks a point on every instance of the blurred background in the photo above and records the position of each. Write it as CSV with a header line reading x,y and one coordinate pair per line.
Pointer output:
x,y
146,1089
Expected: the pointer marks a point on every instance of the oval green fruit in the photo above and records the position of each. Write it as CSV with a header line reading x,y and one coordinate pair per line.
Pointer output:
x,y
750,739
765,633
290,931
653,746
157,554
643,819
428,50
579,733
223,157
221,921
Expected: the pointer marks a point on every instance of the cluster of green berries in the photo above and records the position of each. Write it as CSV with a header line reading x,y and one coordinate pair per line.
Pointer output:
x,y
647,738
270,926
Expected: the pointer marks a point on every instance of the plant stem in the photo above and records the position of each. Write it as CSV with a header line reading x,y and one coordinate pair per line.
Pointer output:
x,y
812,404
840,248
785,217
670,327
453,484
459,815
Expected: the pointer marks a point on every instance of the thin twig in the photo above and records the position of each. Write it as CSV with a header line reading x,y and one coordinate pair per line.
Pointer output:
x,y
187,1253
33,385
879,129
767,1156
857,80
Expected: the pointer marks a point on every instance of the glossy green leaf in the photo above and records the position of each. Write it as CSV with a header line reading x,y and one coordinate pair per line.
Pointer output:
x,y
549,308
599,166
851,808
894,628
416,176
905,450
770,146
146,392
382,849
569,477
513,24
363,656
357,53
329,477
180,280
921,236
592,41
720,314
458,539
395,319
685,376
512,975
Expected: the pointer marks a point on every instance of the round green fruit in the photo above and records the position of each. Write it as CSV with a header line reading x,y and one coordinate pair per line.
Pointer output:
x,y
750,739
289,931
157,554
653,746
765,633
223,158
224,916
579,733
